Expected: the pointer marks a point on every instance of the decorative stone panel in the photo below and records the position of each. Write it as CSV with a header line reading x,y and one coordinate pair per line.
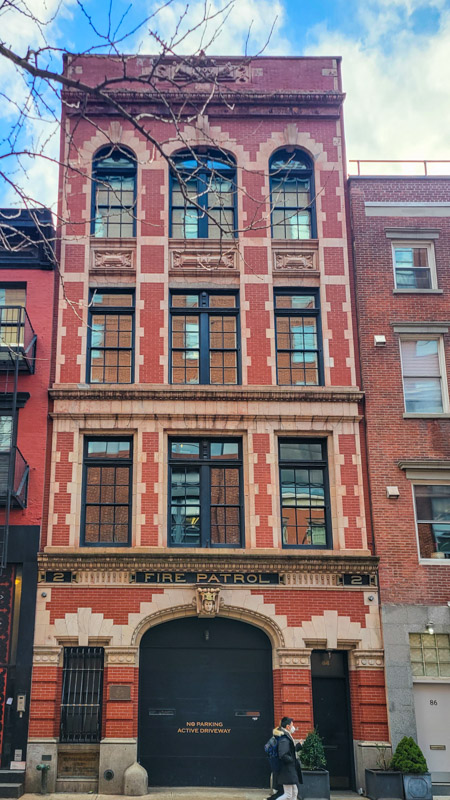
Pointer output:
x,y
47,656
203,257
294,659
368,659
203,71
121,656
113,257
296,258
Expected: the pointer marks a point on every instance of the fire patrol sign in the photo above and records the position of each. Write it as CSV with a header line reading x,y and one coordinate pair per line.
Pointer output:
x,y
211,578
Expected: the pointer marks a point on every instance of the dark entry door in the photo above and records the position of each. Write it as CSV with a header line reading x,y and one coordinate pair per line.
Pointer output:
x,y
205,703
331,708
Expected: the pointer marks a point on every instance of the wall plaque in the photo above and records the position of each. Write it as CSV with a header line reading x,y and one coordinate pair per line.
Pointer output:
x,y
64,576
119,692
210,578
358,580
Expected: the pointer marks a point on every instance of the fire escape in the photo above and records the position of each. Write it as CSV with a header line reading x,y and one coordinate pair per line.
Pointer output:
x,y
17,357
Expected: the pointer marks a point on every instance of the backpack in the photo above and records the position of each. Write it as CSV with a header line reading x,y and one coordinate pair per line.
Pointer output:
x,y
271,751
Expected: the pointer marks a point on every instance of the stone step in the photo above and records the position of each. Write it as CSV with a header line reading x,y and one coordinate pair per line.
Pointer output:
x,y
11,789
12,775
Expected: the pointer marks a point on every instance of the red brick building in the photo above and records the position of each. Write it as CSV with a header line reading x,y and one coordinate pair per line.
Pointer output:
x,y
26,327
401,232
207,564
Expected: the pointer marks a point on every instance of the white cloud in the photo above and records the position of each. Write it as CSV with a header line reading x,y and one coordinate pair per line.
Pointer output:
x,y
226,31
398,98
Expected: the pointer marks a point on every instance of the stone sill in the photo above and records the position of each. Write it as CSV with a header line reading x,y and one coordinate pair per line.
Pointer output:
x,y
428,562
430,679
446,415
418,291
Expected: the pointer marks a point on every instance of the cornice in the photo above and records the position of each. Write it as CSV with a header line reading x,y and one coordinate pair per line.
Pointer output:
x,y
209,562
323,394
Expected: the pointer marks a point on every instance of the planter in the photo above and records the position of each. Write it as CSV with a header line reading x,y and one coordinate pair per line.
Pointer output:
x,y
418,787
316,784
382,784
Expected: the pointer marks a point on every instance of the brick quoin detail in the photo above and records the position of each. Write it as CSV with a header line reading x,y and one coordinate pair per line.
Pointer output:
x,y
258,345
300,605
63,476
114,603
369,712
74,258
149,498
72,320
152,201
338,345
45,703
295,698
350,502
151,344
263,500
120,718
152,259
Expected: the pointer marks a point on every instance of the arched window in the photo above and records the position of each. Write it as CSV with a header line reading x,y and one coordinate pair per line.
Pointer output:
x,y
113,194
292,195
209,180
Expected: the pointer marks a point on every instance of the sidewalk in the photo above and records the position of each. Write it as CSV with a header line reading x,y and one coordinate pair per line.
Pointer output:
x,y
181,793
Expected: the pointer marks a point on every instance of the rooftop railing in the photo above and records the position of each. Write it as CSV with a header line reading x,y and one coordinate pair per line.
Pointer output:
x,y
401,167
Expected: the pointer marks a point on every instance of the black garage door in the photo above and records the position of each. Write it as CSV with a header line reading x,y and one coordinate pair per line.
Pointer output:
x,y
205,703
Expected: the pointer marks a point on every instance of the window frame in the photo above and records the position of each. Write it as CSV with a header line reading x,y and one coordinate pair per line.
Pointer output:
x,y
316,312
87,461
204,465
307,173
131,311
202,197
426,336
98,181
425,244
204,312
426,482
323,464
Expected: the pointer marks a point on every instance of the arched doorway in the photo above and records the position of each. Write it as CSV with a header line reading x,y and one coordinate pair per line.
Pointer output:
x,y
205,703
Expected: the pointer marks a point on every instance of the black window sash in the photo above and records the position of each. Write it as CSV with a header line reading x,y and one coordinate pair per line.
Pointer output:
x,y
203,312
319,464
92,461
100,178
202,177
292,312
110,310
205,465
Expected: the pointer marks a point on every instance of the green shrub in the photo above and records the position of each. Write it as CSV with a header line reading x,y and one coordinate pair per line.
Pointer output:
x,y
408,757
312,754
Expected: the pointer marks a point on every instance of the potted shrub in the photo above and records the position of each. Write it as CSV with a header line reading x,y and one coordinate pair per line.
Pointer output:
x,y
409,759
383,781
316,778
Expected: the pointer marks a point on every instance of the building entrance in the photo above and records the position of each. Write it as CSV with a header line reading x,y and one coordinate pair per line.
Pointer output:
x,y
331,706
205,703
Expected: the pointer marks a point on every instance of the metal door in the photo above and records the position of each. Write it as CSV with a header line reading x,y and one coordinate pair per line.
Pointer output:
x,y
432,703
205,703
331,708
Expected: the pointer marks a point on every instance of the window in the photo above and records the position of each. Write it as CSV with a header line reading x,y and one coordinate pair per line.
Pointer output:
x,y
81,702
414,265
204,337
106,518
298,342
206,493
422,367
292,195
110,337
113,194
305,506
209,180
430,654
432,505
12,316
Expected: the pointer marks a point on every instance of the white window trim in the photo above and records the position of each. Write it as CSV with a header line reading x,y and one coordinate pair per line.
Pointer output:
x,y
442,370
429,246
444,481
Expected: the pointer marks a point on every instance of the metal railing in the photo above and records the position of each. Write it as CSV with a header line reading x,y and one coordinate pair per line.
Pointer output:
x,y
18,474
413,167
17,339
81,703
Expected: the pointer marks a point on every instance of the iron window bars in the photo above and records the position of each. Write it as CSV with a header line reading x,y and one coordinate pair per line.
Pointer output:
x,y
209,179
107,492
305,503
205,493
82,688
298,338
111,336
113,194
292,195
204,337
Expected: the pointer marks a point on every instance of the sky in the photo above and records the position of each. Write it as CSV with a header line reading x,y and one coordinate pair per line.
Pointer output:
x,y
396,65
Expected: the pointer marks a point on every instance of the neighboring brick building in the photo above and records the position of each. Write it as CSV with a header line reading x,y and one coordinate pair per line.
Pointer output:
x,y
401,232
26,321
207,565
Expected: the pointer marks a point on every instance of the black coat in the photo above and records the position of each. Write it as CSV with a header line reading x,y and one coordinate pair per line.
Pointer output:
x,y
290,771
